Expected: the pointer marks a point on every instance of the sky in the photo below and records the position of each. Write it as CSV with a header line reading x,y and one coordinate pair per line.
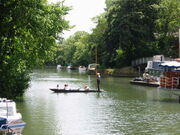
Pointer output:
x,y
81,14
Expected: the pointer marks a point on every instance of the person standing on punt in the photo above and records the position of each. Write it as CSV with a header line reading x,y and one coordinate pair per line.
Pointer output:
x,y
98,76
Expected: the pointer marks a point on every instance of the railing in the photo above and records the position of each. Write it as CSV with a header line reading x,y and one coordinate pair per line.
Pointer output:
x,y
168,82
140,61
144,60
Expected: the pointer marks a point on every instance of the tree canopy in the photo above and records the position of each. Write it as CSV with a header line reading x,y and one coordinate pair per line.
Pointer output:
x,y
167,25
29,29
131,29
127,30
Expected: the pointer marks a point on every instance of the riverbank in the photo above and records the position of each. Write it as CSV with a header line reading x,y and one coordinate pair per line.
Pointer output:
x,y
122,72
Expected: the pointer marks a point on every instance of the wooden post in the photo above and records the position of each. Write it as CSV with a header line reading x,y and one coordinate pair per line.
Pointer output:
x,y
139,71
179,42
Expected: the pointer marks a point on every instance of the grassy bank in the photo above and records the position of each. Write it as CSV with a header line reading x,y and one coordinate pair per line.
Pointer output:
x,y
122,72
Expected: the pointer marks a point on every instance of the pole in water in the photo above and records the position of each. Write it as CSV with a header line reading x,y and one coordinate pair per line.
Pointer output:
x,y
98,81
179,41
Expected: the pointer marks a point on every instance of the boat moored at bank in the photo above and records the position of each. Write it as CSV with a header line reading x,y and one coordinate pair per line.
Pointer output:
x,y
170,79
59,67
82,68
10,121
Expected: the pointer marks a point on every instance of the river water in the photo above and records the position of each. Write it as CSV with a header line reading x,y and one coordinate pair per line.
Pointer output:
x,y
123,109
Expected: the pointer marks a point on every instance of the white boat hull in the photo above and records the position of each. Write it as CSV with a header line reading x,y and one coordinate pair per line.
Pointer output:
x,y
10,121
14,127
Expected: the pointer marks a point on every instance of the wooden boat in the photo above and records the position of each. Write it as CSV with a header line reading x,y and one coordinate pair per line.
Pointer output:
x,y
74,90
70,67
145,83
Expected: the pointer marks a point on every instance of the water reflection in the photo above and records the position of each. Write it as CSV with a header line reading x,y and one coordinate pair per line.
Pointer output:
x,y
123,109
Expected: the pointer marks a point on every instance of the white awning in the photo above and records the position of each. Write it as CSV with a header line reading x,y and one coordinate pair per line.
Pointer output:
x,y
170,64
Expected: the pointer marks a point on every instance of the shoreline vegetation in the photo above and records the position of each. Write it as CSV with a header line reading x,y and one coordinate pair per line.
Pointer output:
x,y
127,71
121,72
32,35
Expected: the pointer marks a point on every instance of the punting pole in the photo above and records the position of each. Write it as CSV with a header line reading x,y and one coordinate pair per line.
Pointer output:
x,y
179,41
96,72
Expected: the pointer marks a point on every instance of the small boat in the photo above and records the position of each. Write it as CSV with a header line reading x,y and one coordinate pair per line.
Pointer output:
x,y
144,83
74,90
59,67
92,68
10,121
82,68
170,79
70,67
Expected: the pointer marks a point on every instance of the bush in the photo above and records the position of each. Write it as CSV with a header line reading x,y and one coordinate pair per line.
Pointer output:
x,y
13,83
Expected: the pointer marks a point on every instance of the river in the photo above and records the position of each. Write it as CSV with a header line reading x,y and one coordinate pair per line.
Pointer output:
x,y
123,109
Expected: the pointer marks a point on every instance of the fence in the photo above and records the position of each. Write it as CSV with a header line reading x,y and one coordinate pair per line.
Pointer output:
x,y
144,60
141,61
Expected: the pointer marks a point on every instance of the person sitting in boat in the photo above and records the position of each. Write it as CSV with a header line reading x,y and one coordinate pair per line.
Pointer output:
x,y
66,86
146,76
86,87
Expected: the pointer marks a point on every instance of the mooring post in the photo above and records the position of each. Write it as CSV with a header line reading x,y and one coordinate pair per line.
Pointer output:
x,y
139,71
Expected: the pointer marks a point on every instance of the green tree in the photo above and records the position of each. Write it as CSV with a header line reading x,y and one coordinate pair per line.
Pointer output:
x,y
130,32
29,29
96,41
168,23
68,51
82,56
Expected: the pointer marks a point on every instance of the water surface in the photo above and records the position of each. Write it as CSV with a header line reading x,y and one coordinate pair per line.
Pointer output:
x,y
123,109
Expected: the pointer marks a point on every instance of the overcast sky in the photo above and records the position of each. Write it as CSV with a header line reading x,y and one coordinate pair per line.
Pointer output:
x,y
81,14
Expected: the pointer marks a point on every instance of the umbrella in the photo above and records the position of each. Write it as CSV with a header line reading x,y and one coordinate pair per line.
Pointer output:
x,y
170,64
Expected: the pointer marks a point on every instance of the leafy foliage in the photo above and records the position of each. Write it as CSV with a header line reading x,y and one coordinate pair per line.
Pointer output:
x,y
80,48
167,25
28,32
73,50
129,29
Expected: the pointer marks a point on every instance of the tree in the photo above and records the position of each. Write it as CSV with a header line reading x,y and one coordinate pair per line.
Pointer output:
x,y
82,55
96,41
167,24
130,31
72,50
29,29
